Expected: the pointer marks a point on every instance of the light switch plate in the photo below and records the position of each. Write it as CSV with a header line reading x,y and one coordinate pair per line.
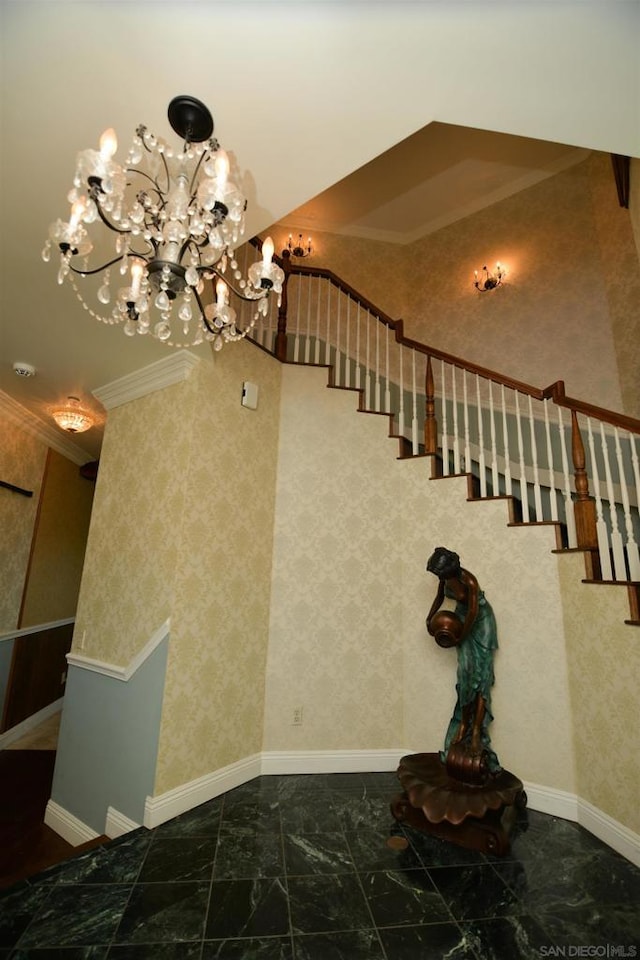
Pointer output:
x,y
249,395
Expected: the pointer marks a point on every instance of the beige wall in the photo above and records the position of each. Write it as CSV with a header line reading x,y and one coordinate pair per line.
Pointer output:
x,y
568,310
604,665
354,529
22,462
59,545
214,695
182,531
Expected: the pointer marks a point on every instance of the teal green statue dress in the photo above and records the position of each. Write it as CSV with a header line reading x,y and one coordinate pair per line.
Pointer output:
x,y
475,672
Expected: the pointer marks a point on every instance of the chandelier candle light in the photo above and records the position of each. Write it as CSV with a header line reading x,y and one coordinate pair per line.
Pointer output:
x,y
178,218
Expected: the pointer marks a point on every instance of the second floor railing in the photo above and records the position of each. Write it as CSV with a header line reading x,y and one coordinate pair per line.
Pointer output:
x,y
562,460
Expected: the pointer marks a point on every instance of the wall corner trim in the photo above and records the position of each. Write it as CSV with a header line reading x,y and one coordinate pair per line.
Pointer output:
x,y
115,671
155,376
67,826
116,824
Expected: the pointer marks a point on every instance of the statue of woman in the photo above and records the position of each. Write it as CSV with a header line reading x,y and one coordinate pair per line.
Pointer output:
x,y
467,743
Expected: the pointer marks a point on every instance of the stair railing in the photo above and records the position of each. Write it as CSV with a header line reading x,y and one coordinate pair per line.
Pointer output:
x,y
513,439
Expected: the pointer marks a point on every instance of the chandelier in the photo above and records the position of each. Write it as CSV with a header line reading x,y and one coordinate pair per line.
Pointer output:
x,y
72,417
488,280
177,218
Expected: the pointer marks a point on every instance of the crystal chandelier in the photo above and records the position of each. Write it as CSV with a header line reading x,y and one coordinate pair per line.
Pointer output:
x,y
177,217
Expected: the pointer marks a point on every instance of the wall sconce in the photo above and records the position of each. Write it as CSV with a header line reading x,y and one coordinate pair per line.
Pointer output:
x,y
488,280
72,417
296,249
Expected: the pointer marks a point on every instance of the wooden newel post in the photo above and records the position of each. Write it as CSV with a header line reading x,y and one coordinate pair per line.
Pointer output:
x,y
281,335
430,424
584,507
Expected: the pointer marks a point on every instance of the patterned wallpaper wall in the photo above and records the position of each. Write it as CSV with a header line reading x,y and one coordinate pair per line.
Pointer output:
x,y
60,540
568,309
214,695
354,529
22,462
604,666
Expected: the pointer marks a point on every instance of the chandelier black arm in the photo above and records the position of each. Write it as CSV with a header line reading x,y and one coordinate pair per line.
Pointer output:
x,y
195,175
106,222
89,273
238,293
164,163
203,314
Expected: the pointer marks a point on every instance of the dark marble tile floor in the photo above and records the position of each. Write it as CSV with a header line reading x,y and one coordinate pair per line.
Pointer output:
x,y
300,868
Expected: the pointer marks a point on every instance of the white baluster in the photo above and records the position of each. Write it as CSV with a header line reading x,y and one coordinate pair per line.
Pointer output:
x,y
307,337
456,435
347,363
553,500
601,525
636,470
569,516
467,441
358,369
401,410
338,365
534,457
445,425
495,472
377,400
296,340
523,477
633,555
387,392
481,456
619,570
415,445
508,483
371,374
327,344
317,346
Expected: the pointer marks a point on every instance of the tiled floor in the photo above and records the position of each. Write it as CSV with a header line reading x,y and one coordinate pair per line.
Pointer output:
x,y
299,868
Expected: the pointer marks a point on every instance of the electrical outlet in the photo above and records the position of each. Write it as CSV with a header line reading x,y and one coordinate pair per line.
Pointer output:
x,y
296,719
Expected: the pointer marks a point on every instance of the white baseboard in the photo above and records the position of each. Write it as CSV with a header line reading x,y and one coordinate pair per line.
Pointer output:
x,y
26,726
605,828
557,803
330,761
117,824
159,809
67,826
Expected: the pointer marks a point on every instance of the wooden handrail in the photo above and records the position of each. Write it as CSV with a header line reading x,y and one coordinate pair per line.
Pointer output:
x,y
554,391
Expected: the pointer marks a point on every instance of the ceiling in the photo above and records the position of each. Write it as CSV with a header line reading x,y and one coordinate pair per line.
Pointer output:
x,y
411,124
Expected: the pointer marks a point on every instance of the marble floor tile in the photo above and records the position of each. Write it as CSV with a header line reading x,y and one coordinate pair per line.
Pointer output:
x,y
313,867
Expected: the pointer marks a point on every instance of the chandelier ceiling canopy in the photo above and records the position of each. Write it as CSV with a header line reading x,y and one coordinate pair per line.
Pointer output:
x,y
177,218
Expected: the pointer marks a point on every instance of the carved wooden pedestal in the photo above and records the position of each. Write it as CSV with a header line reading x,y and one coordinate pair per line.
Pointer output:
x,y
479,816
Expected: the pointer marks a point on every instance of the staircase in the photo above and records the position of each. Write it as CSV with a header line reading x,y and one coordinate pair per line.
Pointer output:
x,y
555,459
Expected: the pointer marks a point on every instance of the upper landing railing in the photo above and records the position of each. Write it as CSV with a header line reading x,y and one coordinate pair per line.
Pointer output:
x,y
561,460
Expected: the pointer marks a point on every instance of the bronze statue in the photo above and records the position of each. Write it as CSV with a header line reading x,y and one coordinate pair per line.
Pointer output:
x,y
462,793
472,629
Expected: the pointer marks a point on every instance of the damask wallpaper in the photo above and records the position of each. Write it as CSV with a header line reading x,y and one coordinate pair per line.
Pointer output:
x,y
348,644
604,666
568,308
22,462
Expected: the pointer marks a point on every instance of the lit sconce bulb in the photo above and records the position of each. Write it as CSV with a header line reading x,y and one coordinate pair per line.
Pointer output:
x,y
108,144
267,251
221,293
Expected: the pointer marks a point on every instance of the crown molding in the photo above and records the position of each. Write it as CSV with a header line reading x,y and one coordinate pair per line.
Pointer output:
x,y
156,376
50,436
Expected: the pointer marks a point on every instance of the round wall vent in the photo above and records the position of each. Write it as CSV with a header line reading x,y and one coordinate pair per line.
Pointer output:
x,y
24,369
